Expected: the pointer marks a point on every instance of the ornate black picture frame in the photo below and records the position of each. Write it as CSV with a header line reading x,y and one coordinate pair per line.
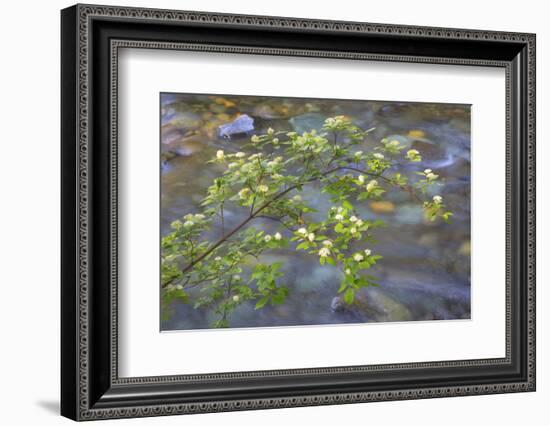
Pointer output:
x,y
91,387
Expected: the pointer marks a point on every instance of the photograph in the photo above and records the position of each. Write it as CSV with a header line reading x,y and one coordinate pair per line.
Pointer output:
x,y
262,211
285,211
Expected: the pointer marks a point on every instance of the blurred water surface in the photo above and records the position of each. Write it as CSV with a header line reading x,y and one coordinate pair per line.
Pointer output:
x,y
425,270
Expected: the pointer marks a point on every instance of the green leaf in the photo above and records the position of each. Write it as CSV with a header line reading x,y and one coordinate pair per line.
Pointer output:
x,y
262,302
279,296
302,246
349,296
343,286
446,216
347,205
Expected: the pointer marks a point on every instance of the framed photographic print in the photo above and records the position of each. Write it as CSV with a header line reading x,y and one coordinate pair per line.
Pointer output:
x,y
263,212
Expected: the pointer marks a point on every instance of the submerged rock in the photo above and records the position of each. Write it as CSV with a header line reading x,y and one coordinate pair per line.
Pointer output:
x,y
410,214
416,133
242,124
382,206
337,304
307,122
373,305
266,112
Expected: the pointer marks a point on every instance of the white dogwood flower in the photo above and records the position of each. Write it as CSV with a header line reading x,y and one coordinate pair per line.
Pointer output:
x,y
243,193
431,176
413,155
324,252
372,185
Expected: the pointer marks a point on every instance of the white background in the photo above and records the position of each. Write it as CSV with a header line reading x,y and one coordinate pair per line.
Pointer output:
x,y
141,345
29,225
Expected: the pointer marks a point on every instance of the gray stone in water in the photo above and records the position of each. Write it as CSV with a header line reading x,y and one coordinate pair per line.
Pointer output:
x,y
337,305
242,124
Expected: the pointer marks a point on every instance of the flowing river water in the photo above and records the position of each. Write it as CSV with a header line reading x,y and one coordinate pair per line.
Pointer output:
x,y
425,270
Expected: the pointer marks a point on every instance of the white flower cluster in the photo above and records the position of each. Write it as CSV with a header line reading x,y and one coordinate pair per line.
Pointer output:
x,y
277,237
356,221
324,252
244,193
358,257
310,236
192,219
413,155
255,156
339,216
276,161
373,184
172,287
430,176
337,121
394,143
